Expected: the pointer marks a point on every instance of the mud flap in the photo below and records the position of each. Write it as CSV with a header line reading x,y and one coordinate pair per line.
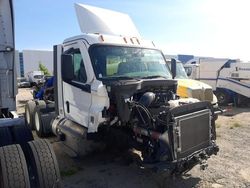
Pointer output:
x,y
14,131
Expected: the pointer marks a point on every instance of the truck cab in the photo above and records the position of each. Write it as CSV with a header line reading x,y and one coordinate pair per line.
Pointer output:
x,y
117,89
99,62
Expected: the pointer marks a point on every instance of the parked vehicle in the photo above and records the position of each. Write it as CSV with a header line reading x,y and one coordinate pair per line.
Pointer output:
x,y
23,83
188,87
35,77
114,87
230,79
24,162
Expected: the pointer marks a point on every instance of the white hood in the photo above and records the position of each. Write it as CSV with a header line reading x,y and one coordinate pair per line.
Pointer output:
x,y
98,20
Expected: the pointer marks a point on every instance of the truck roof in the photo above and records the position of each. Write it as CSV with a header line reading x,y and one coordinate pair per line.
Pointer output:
x,y
111,39
102,26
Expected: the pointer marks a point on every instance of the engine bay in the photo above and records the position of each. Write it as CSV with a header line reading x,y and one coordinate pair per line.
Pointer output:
x,y
150,117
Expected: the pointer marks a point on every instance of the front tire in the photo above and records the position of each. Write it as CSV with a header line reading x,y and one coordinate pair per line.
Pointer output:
x,y
223,97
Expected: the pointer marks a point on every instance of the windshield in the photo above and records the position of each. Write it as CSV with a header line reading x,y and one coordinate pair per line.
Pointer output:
x,y
128,62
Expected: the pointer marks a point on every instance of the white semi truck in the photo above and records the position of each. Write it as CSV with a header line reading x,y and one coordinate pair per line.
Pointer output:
x,y
230,79
35,77
24,162
114,87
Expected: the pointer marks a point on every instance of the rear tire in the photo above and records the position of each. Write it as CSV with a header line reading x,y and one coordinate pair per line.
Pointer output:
x,y
13,168
42,118
29,114
38,123
45,162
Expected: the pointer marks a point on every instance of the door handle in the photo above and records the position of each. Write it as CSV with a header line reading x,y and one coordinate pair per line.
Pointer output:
x,y
67,106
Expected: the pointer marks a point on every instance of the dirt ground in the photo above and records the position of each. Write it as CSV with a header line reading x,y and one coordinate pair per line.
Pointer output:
x,y
110,169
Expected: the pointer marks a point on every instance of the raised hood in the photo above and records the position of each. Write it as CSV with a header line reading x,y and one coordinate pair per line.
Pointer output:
x,y
98,20
8,86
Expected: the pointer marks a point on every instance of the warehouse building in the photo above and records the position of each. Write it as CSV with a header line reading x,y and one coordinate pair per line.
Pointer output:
x,y
29,60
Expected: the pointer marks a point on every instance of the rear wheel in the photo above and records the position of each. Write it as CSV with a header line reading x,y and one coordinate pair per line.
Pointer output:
x,y
13,168
38,123
45,164
42,118
29,114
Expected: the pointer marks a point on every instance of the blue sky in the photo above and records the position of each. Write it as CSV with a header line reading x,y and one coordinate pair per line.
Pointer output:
x,y
199,27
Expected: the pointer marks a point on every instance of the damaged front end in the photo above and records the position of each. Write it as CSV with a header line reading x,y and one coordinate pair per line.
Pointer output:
x,y
183,139
172,134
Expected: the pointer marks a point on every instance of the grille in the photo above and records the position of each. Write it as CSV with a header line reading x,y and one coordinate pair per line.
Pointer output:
x,y
192,132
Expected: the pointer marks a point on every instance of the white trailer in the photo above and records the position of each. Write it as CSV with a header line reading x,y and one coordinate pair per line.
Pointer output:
x,y
230,79
114,87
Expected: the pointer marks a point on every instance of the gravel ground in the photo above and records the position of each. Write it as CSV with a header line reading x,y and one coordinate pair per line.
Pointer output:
x,y
111,169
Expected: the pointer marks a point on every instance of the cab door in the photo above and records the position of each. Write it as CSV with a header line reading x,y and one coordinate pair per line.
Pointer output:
x,y
77,91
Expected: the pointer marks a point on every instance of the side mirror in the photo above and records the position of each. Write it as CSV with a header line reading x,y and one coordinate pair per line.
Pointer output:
x,y
173,68
67,68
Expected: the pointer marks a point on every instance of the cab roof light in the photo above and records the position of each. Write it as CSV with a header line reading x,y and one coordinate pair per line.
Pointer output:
x,y
131,39
125,40
102,38
138,41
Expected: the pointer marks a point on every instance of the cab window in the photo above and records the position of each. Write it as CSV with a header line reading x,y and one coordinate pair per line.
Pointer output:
x,y
78,66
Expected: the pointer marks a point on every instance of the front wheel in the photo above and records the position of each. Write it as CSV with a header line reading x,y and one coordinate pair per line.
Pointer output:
x,y
223,97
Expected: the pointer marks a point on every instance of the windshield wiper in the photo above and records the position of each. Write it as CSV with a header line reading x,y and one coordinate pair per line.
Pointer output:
x,y
154,76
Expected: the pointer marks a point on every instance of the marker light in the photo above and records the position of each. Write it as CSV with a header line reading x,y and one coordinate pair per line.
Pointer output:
x,y
102,38
125,40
